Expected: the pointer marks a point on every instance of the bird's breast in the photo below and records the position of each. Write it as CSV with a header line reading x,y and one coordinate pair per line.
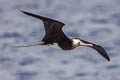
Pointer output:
x,y
74,46
55,45
75,43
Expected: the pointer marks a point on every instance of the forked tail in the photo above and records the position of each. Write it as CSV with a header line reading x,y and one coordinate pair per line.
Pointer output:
x,y
41,43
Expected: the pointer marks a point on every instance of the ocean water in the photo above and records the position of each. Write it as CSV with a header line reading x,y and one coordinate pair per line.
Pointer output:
x,y
94,20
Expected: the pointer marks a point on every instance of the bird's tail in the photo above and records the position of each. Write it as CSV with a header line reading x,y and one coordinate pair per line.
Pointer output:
x,y
41,43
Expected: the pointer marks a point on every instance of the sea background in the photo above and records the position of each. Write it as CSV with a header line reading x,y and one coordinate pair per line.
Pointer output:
x,y
94,20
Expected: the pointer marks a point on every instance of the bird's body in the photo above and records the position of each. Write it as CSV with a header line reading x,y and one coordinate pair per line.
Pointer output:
x,y
55,45
56,38
74,44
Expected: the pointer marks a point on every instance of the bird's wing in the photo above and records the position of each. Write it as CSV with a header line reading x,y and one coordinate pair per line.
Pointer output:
x,y
101,50
48,23
98,48
53,29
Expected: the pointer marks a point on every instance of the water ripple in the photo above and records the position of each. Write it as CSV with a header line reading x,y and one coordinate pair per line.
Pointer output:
x,y
113,66
26,75
10,35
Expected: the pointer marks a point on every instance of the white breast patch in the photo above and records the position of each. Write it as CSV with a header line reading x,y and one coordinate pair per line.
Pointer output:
x,y
76,41
55,45
80,43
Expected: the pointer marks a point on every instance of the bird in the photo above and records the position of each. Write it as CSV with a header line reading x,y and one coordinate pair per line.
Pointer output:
x,y
56,38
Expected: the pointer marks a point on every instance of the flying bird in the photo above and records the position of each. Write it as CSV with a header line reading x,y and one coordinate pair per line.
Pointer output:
x,y
56,38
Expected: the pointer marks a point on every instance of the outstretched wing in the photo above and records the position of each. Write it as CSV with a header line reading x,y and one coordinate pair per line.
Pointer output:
x,y
98,48
53,30
101,50
48,23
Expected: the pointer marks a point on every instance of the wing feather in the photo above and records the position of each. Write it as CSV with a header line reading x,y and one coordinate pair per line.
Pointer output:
x,y
53,30
98,48
48,22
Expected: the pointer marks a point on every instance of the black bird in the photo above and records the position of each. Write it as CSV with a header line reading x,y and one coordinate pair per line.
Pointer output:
x,y
56,38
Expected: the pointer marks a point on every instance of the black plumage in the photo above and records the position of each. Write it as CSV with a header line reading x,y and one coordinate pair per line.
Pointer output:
x,y
54,34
